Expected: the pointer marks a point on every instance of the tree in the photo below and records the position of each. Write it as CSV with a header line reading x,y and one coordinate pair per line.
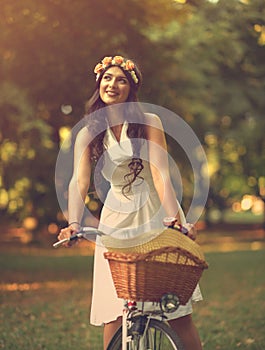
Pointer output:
x,y
47,50
25,142
202,60
217,81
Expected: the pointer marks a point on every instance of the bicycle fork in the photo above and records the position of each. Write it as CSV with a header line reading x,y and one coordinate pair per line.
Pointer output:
x,y
124,328
137,338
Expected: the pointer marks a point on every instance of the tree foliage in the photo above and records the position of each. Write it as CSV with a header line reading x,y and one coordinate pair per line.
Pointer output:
x,y
203,60
217,83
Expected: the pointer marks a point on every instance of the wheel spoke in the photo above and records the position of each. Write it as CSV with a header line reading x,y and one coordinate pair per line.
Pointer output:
x,y
159,336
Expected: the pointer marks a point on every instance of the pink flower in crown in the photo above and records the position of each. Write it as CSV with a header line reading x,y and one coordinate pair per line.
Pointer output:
x,y
98,68
129,65
118,60
107,61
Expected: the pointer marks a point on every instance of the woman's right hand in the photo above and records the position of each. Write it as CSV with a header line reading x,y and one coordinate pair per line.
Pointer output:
x,y
67,232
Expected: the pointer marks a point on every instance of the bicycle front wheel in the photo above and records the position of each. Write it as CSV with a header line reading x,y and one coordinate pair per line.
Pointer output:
x,y
158,336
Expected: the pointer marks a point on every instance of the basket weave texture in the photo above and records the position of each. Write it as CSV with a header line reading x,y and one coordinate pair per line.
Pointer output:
x,y
171,262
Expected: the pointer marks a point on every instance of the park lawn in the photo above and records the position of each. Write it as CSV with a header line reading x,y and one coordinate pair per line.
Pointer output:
x,y
45,300
233,313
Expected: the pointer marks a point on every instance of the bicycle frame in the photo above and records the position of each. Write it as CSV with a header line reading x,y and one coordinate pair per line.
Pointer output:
x,y
131,315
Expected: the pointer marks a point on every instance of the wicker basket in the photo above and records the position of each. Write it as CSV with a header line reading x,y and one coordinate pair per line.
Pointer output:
x,y
147,271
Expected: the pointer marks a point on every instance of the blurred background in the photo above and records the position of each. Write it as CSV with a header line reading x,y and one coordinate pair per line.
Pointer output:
x,y
205,61
202,59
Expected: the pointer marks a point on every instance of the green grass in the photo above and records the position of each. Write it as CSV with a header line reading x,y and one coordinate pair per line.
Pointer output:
x,y
53,313
45,301
233,313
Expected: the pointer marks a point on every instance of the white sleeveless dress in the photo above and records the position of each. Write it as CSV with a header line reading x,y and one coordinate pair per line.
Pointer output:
x,y
124,217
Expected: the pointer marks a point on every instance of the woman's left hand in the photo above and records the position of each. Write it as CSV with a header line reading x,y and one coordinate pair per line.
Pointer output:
x,y
192,231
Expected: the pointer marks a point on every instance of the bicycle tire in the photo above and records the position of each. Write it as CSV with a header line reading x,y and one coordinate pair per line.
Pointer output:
x,y
164,338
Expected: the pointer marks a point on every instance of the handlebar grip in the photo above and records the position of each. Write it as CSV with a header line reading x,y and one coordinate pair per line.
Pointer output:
x,y
181,229
65,240
59,243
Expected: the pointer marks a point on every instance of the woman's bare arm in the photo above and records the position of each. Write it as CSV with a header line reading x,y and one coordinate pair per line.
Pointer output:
x,y
80,180
158,157
78,185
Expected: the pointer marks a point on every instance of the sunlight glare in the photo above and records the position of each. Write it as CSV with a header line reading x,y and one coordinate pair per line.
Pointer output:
x,y
246,202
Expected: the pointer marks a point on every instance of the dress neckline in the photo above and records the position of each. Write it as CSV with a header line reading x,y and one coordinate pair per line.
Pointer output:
x,y
123,134
118,151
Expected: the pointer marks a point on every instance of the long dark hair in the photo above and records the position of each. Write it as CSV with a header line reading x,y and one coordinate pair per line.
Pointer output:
x,y
96,120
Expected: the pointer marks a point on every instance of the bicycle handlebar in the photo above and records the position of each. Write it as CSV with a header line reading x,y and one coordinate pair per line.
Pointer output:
x,y
89,232
84,232
171,222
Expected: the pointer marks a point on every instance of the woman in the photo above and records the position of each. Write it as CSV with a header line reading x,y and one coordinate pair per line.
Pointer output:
x,y
130,151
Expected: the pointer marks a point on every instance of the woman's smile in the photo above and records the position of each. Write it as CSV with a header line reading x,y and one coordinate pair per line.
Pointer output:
x,y
111,93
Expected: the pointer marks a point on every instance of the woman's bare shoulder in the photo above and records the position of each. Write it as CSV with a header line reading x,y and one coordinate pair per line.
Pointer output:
x,y
84,136
153,120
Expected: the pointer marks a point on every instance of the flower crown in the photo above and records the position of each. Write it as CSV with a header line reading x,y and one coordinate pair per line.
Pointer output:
x,y
127,65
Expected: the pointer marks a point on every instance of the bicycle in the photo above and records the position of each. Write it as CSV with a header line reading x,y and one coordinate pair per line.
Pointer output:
x,y
142,329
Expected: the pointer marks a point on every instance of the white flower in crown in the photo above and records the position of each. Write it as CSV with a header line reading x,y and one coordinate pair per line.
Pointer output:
x,y
116,61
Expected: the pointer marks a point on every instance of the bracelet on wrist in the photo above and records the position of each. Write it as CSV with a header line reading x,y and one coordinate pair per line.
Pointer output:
x,y
74,222
170,221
